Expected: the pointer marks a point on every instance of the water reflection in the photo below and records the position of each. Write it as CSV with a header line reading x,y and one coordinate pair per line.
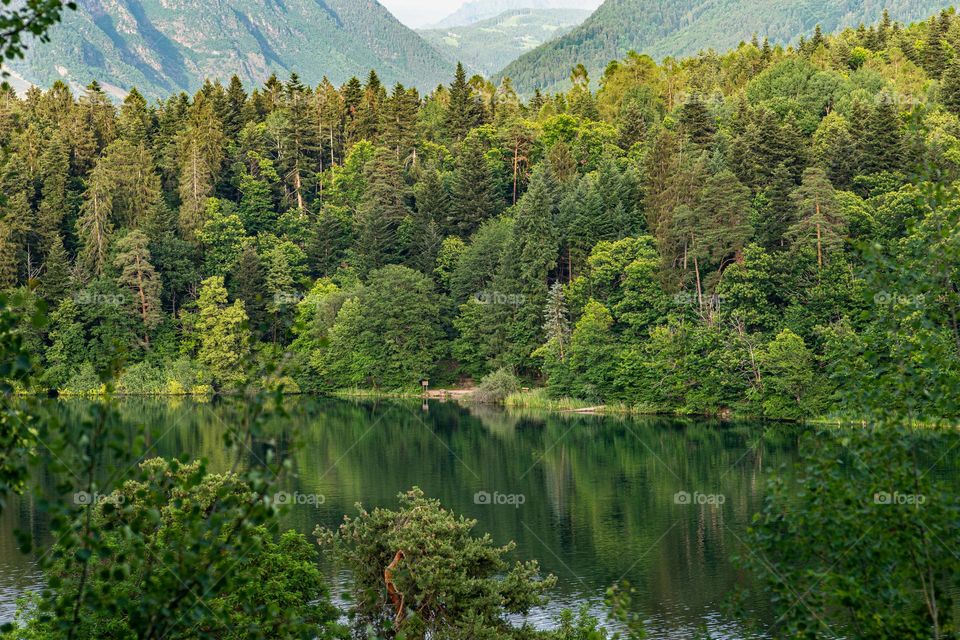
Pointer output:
x,y
594,499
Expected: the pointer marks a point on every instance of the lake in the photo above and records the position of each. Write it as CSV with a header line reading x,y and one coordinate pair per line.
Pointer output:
x,y
662,503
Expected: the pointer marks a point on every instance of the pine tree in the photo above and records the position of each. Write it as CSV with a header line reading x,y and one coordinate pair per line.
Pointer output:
x,y
55,197
138,276
224,334
135,122
422,231
95,226
236,112
256,208
298,145
832,146
696,121
631,124
819,220
773,209
528,262
248,284
398,123
934,52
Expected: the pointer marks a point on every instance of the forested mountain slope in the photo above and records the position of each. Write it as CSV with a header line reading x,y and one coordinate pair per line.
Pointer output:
x,y
479,10
487,46
684,27
162,47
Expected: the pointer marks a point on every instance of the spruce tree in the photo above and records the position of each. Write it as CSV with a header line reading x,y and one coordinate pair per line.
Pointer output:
x,y
474,197
950,87
381,212
882,148
55,283
200,151
462,112
696,121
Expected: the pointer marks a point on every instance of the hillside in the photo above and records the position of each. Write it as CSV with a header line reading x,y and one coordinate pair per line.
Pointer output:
x,y
161,47
479,10
487,46
685,27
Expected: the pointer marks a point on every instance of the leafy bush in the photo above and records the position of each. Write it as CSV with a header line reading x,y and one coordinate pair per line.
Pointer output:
x,y
177,549
496,386
441,580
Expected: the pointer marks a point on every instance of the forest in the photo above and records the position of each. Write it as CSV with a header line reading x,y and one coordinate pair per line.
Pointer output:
x,y
746,232
769,232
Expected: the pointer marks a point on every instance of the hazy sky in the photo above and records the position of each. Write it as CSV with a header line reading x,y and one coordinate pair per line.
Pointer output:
x,y
416,13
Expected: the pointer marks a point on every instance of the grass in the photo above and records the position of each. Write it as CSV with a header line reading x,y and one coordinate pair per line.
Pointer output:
x,y
366,392
539,399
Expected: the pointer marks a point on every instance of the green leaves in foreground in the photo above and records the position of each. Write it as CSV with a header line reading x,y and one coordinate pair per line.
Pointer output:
x,y
864,541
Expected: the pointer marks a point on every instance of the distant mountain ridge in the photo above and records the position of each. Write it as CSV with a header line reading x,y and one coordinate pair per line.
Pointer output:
x,y
663,28
487,46
478,10
164,46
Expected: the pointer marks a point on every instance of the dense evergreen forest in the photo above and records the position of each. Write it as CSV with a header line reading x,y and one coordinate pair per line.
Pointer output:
x,y
746,232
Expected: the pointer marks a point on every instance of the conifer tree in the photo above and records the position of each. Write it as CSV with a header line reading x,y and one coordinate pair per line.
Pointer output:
x,y
881,146
138,276
950,87
200,151
819,222
236,109
381,212
224,334
696,121
55,281
462,111
398,123
135,122
474,197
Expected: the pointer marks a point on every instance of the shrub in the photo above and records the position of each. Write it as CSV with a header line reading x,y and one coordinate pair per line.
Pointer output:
x,y
496,386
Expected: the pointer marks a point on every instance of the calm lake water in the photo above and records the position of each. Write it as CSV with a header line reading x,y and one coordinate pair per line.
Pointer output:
x,y
594,499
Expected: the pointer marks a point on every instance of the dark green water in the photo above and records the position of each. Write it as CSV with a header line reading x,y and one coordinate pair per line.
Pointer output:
x,y
594,499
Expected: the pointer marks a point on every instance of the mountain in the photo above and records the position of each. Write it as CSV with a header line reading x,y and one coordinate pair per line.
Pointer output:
x,y
479,10
487,46
663,28
163,46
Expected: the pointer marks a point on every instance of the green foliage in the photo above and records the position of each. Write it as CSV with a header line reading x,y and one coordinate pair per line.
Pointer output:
x,y
443,576
859,543
385,337
224,334
496,386
153,531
